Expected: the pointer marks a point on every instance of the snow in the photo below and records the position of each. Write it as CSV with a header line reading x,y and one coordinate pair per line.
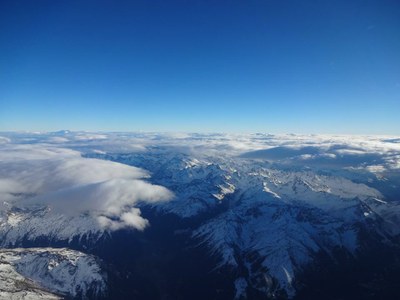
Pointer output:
x,y
267,190
61,271
14,286
379,200
14,218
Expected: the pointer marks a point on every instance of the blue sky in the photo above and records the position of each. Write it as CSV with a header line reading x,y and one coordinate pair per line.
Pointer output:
x,y
232,66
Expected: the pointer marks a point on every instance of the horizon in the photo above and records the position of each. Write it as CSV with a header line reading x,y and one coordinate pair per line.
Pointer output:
x,y
181,134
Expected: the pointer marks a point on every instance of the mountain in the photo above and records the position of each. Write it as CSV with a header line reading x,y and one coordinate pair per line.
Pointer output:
x,y
267,223
246,225
33,273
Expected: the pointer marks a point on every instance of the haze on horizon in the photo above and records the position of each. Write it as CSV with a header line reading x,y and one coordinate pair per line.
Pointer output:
x,y
226,66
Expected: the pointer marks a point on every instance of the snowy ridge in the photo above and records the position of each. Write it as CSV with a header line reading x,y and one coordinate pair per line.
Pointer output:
x,y
14,286
17,225
62,271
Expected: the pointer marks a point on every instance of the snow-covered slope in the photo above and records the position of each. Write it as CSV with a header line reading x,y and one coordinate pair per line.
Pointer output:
x,y
27,273
18,225
14,286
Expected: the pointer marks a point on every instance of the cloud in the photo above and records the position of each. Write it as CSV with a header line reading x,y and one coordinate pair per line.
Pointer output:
x,y
71,185
48,168
330,151
110,201
130,218
277,153
4,140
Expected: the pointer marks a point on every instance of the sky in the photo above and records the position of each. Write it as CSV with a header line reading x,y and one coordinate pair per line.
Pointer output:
x,y
201,66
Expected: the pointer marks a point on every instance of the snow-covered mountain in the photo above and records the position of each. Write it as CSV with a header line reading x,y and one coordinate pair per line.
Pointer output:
x,y
33,273
266,210
273,222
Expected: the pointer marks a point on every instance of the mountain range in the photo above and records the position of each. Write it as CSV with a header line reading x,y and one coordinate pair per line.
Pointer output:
x,y
178,216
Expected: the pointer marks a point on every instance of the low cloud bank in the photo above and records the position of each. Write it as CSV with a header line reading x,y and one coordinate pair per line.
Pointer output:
x,y
68,184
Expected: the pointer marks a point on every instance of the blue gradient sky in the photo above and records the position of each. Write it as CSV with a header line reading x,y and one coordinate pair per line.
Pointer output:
x,y
233,66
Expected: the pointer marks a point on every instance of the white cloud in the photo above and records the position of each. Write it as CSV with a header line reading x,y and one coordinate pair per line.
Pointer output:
x,y
375,168
350,151
131,218
4,140
72,185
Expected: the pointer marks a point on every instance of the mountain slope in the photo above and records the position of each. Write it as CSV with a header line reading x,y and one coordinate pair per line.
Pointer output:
x,y
61,271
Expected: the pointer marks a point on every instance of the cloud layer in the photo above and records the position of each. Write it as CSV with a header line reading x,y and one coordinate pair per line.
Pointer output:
x,y
51,169
68,184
